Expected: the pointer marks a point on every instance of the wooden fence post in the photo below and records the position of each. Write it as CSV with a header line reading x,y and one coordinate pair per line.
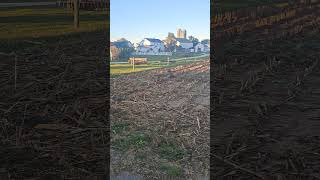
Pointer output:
x,y
76,13
133,63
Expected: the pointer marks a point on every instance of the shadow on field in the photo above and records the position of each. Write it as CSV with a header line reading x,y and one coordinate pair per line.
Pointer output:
x,y
67,18
34,22
53,107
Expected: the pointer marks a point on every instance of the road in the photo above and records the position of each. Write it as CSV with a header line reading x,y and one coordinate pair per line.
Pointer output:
x,y
25,4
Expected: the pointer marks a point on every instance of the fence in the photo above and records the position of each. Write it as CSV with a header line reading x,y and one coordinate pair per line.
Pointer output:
x,y
152,53
191,58
185,59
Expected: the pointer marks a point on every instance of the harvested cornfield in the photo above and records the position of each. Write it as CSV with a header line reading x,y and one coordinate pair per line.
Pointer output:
x,y
265,107
271,21
160,122
53,110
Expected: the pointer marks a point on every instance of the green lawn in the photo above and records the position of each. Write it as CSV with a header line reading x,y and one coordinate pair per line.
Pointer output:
x,y
121,69
38,22
117,69
153,63
174,56
164,58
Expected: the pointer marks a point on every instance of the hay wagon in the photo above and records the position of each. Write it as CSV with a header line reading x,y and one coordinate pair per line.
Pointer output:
x,y
138,60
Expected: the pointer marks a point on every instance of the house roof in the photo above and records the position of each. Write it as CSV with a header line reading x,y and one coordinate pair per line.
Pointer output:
x,y
154,40
183,40
208,40
121,44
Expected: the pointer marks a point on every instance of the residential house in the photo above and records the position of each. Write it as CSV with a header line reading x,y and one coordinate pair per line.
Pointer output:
x,y
150,45
206,48
200,47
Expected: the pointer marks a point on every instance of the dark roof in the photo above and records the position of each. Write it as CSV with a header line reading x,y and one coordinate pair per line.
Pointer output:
x,y
183,40
154,40
205,43
120,44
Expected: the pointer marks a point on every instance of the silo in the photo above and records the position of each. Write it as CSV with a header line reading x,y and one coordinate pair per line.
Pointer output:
x,y
184,34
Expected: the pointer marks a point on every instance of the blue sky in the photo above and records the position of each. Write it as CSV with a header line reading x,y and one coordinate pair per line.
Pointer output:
x,y
137,19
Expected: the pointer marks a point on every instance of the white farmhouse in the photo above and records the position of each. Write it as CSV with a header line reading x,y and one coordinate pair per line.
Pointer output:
x,y
150,45
152,42
200,47
135,45
184,43
143,49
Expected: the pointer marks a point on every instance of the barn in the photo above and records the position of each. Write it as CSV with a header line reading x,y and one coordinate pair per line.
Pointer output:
x,y
184,43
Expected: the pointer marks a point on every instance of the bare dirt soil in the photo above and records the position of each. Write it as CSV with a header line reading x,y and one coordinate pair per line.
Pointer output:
x,y
169,110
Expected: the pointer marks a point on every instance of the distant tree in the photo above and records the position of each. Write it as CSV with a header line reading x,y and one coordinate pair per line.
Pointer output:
x,y
194,40
125,52
171,35
121,52
115,52
170,42
121,40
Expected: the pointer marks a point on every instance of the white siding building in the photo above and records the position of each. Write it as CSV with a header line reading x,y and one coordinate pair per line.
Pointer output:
x,y
184,43
150,45
201,48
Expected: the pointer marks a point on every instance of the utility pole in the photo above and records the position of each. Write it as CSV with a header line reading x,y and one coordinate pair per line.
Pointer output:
x,y
76,13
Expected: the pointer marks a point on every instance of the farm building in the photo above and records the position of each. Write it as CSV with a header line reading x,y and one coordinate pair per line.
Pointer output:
x,y
180,49
120,49
150,45
200,47
84,4
184,43
181,33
